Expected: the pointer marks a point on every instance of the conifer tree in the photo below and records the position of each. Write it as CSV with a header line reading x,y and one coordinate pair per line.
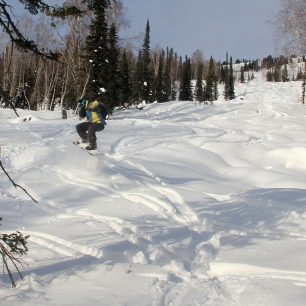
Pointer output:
x,y
226,91
303,91
138,79
180,69
146,94
277,72
242,78
231,81
226,84
113,60
211,92
174,78
215,88
167,75
125,85
98,53
199,90
300,75
285,77
270,75
222,75
229,86
160,93
174,91
185,86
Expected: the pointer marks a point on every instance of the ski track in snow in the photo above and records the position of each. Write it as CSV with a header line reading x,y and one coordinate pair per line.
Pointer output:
x,y
58,244
172,205
167,207
242,270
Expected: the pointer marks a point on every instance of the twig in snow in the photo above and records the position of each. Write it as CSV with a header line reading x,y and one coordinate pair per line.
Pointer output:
x,y
130,269
14,184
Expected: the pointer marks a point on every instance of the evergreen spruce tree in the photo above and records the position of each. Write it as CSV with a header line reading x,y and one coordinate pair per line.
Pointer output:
x,y
215,88
300,75
160,92
180,69
174,91
185,86
277,72
113,59
303,90
167,76
98,53
226,92
222,75
138,80
211,92
125,86
285,77
199,90
231,81
242,78
147,76
174,74
270,75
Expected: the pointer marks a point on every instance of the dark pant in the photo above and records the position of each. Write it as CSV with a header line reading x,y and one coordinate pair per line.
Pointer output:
x,y
87,130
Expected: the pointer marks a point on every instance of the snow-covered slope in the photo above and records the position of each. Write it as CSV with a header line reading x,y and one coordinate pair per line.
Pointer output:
x,y
190,205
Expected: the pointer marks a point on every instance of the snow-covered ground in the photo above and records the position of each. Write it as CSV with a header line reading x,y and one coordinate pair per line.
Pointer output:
x,y
190,205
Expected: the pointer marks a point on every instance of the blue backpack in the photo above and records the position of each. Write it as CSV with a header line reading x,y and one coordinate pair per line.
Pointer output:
x,y
102,110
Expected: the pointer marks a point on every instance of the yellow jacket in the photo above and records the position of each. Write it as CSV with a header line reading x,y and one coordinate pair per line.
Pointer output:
x,y
92,113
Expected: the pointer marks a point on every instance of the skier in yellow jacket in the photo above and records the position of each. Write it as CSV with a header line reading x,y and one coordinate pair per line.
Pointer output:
x,y
95,114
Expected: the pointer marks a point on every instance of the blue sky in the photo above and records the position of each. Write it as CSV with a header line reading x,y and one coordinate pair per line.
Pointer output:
x,y
240,27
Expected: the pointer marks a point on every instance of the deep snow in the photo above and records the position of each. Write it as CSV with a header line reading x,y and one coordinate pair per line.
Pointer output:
x,y
190,205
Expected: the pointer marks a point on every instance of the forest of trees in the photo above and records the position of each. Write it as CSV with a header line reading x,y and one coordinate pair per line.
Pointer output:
x,y
93,61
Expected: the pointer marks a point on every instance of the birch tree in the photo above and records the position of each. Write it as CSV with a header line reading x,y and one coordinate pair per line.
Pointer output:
x,y
290,24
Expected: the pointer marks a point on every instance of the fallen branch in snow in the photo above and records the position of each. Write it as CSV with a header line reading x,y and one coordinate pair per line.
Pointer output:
x,y
130,269
12,247
14,184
